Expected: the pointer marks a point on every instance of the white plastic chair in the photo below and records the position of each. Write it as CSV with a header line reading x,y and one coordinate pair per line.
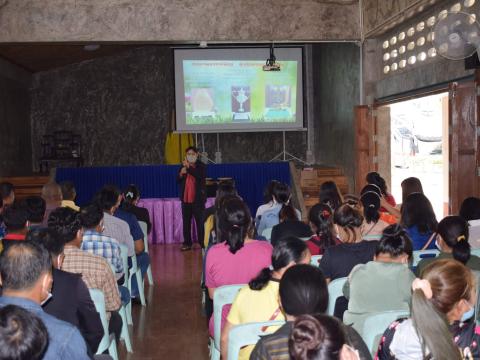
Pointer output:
x,y
223,295
128,307
315,260
335,290
247,334
108,340
144,227
267,233
135,271
420,254
376,324
475,252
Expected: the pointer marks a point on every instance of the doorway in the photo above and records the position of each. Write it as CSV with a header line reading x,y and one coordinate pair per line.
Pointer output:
x,y
419,147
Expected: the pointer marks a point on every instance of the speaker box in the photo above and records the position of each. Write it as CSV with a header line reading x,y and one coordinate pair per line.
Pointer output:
x,y
472,62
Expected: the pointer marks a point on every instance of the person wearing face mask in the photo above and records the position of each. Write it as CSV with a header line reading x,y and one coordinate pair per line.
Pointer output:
x,y
452,241
70,301
441,325
383,284
26,276
191,179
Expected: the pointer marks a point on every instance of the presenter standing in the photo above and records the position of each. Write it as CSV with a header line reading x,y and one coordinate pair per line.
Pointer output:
x,y
191,178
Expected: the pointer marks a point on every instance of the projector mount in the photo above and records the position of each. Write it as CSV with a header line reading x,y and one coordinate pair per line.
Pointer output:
x,y
270,64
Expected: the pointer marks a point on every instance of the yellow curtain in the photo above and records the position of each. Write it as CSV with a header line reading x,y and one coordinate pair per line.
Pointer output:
x,y
175,146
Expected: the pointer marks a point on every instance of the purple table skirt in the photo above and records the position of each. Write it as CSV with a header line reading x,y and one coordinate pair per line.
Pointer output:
x,y
166,218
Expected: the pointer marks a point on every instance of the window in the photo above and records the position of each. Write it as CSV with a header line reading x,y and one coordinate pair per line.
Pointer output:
x,y
456,8
411,32
393,40
394,66
432,52
422,56
401,36
430,36
431,21
410,46
468,3
385,44
386,69
402,64
420,26
394,53
421,41
386,57
412,59
401,49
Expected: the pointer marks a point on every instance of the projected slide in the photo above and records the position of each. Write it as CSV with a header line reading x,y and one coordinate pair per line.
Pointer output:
x,y
229,91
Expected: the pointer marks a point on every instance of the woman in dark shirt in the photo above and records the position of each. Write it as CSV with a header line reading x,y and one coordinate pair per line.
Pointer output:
x,y
131,196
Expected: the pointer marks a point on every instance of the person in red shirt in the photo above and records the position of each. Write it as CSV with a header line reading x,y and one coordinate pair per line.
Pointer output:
x,y
321,222
16,222
191,178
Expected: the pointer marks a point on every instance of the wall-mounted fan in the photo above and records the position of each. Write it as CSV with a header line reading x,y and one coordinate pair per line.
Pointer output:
x,y
457,36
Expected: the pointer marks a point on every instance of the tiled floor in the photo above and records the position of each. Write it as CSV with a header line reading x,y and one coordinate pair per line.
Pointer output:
x,y
171,326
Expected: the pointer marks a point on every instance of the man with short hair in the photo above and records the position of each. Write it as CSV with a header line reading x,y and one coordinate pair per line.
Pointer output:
x,y
52,194
69,194
15,218
71,301
35,207
7,193
26,275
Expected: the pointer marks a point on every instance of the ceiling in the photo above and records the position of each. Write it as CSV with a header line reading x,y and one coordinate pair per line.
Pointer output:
x,y
42,57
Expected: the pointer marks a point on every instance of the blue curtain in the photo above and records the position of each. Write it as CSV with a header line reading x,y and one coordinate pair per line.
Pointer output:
x,y
160,181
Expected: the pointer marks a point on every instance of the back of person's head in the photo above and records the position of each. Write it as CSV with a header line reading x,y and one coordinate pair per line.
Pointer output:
x,y
349,220
131,193
321,217
35,206
15,217
445,283
287,212
224,189
234,222
287,251
454,233
352,200
91,216
65,222
376,179
107,197
395,242
281,193
317,337
371,206
48,239
7,192
417,211
330,195
268,192
51,192
470,209
303,290
22,264
409,186
68,190
23,335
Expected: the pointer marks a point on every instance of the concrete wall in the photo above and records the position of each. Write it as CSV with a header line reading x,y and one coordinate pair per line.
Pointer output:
x,y
180,20
15,142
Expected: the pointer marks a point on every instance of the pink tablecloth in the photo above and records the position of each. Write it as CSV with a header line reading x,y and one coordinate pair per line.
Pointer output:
x,y
166,218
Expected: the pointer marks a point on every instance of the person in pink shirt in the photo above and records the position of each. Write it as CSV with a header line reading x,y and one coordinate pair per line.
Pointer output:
x,y
238,258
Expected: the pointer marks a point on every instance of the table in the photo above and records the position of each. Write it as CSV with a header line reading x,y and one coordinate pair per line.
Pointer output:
x,y
166,218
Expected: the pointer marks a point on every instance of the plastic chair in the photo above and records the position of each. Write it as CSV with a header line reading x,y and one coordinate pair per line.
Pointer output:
x,y
128,307
315,260
246,334
475,252
421,254
108,340
335,290
376,324
143,226
135,271
223,295
267,233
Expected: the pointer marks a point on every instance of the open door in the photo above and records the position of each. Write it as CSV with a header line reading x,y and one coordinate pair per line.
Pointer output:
x,y
463,143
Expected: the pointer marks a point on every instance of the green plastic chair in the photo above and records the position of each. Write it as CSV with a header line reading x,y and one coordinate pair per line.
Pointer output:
x,y
376,324
420,254
246,334
224,295
108,341
315,260
335,290
143,226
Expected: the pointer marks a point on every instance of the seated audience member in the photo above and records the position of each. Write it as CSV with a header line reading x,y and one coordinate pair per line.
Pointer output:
x,y
131,197
385,216
95,270
15,218
319,337
452,241
26,273
383,284
259,300
376,179
303,291
320,217
36,208
268,199
420,221
411,185
7,193
470,211
270,218
238,258
289,226
330,195
2,225
339,260
353,201
69,193
52,194
70,301
23,336
373,225
442,324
